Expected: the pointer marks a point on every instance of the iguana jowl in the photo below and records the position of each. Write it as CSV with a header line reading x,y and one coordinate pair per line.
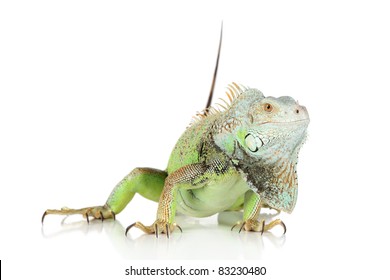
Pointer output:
x,y
241,156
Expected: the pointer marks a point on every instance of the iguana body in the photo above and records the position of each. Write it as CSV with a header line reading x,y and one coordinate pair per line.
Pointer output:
x,y
242,157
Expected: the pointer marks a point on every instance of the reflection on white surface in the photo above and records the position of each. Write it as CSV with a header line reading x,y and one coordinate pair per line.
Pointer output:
x,y
201,239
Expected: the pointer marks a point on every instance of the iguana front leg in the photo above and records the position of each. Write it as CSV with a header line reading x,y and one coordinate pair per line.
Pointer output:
x,y
148,182
252,207
188,177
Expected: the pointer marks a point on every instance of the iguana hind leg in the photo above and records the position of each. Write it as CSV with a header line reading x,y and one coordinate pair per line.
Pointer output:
x,y
148,182
97,212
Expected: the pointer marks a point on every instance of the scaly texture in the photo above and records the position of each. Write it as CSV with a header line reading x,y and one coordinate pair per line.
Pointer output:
x,y
242,155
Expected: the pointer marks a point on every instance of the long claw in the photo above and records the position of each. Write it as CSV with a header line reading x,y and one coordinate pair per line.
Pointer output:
x,y
43,217
262,227
167,230
284,227
101,216
179,228
113,215
234,226
156,230
242,226
128,228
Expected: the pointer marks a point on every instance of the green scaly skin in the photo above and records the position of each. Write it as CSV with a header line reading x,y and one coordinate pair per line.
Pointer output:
x,y
243,157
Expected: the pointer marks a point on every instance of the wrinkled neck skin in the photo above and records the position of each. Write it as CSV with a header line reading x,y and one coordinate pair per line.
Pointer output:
x,y
274,176
272,173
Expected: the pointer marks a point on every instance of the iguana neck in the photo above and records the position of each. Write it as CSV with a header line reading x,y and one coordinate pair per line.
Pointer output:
x,y
263,173
273,177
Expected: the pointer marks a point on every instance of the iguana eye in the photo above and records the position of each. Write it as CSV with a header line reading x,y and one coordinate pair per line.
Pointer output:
x,y
253,142
268,107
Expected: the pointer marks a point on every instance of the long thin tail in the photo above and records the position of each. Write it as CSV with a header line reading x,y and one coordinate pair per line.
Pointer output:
x,y
215,73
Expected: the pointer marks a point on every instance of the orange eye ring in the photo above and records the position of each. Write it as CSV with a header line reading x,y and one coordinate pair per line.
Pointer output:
x,y
268,107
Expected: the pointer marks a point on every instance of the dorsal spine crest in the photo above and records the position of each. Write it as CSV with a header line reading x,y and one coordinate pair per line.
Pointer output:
x,y
233,92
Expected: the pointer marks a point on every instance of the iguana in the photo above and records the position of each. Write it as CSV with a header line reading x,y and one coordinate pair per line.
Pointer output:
x,y
242,155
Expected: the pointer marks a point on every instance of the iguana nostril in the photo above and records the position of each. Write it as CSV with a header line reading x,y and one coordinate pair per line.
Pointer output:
x,y
297,111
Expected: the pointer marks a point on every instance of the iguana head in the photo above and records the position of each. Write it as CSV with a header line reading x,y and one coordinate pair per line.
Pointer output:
x,y
273,129
257,128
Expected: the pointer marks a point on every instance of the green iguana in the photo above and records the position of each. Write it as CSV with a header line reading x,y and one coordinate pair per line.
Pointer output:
x,y
240,156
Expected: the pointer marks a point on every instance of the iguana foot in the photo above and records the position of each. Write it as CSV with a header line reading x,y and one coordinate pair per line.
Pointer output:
x,y
259,226
97,212
157,227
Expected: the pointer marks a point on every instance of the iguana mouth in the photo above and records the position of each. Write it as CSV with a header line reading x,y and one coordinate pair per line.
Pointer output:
x,y
297,121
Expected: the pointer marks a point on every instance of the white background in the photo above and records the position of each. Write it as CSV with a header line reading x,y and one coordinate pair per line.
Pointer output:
x,y
91,89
